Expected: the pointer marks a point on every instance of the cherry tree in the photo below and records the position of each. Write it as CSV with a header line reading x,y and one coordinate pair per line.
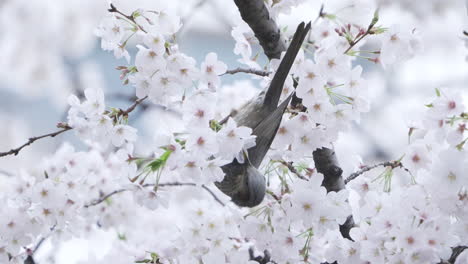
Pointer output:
x,y
164,202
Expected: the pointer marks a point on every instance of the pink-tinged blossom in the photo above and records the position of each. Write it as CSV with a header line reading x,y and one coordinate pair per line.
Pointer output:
x,y
398,45
233,139
123,133
142,83
149,61
213,172
448,104
211,68
417,157
155,41
184,69
244,37
94,104
112,32
332,62
198,109
149,198
202,142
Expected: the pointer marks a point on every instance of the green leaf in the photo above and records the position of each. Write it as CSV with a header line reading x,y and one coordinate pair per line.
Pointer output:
x,y
154,256
144,261
215,126
375,19
437,92
410,133
378,30
136,13
460,146
181,142
132,69
159,162
330,16
121,236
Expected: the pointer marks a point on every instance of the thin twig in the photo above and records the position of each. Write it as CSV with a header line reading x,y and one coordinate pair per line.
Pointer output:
x,y
368,31
245,70
392,164
291,168
132,107
38,245
64,127
15,151
113,9
143,105
105,197
320,14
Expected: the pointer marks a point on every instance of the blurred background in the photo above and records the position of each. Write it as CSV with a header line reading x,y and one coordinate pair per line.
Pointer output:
x,y
48,51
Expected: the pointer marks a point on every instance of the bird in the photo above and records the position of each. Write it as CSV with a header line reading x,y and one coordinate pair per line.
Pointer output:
x,y
243,182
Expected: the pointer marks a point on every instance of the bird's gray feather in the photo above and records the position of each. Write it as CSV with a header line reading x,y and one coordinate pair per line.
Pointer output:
x,y
243,182
265,133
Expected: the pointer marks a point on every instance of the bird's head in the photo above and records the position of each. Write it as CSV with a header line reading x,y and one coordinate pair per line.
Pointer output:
x,y
253,190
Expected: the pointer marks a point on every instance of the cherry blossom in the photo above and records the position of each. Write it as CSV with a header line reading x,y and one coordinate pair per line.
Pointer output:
x,y
158,199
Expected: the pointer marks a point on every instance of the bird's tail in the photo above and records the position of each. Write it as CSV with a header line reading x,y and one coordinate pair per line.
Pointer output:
x,y
273,93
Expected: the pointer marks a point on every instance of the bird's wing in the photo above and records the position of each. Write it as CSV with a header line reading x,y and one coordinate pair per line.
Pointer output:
x,y
273,93
266,132
267,128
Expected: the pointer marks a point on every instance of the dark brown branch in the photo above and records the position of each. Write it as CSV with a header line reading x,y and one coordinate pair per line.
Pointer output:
x,y
31,140
392,164
456,251
266,258
326,163
251,71
255,14
105,197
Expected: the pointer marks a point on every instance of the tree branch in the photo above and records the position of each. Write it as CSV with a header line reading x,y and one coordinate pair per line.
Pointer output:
x,y
291,168
31,140
255,14
105,197
132,107
113,9
245,70
327,164
456,251
360,37
65,127
392,164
